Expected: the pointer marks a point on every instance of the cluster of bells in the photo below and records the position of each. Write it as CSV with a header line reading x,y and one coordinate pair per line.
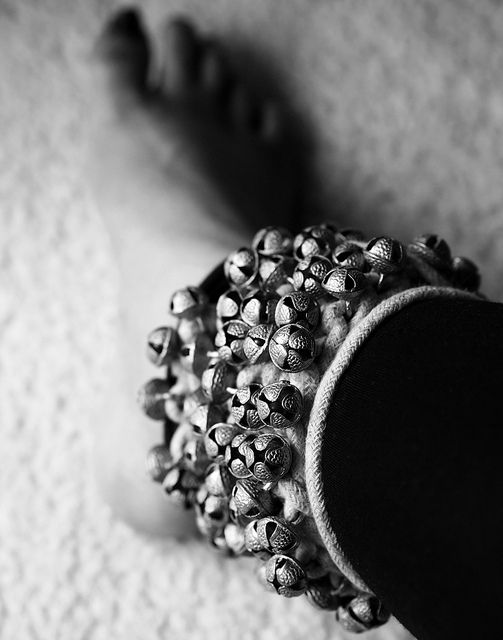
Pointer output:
x,y
235,447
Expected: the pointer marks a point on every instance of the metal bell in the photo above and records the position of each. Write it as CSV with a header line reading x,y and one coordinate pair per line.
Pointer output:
x,y
194,356
158,462
432,249
162,345
345,284
268,456
273,241
204,416
258,308
322,594
244,407
256,343
362,613
181,485
188,303
385,255
253,543
285,576
194,456
218,380
292,348
229,340
280,404
275,271
241,267
218,480
152,398
236,455
229,305
298,307
309,274
218,437
213,509
318,240
275,535
465,274
251,501
349,256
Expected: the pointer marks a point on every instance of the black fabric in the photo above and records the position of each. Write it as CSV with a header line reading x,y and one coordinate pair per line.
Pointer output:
x,y
412,467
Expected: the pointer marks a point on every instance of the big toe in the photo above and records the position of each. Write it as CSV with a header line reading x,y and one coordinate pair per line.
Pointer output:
x,y
124,49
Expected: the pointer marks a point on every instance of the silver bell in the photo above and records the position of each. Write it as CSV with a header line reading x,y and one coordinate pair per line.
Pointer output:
x,y
252,541
194,456
236,455
162,345
229,341
204,416
244,407
194,356
292,348
241,267
218,380
213,509
218,480
385,255
285,576
309,274
432,249
298,307
268,456
218,437
181,485
280,404
349,256
228,306
256,343
275,271
273,241
258,308
158,462
152,398
275,535
362,613
345,284
318,240
188,303
251,501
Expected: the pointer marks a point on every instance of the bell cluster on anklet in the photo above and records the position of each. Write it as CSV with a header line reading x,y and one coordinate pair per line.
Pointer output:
x,y
227,448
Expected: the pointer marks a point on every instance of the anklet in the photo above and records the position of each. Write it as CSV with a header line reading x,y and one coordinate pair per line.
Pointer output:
x,y
240,375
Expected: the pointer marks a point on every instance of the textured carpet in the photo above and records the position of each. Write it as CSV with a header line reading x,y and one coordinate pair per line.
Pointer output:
x,y
402,118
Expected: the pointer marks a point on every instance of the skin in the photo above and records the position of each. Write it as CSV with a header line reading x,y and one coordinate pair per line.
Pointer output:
x,y
189,164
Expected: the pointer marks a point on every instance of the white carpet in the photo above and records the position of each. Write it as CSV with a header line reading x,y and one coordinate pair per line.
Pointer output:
x,y
67,570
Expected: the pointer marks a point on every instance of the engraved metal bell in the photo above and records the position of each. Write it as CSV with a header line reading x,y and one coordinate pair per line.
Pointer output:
x,y
309,274
292,348
298,307
273,241
280,404
244,407
285,576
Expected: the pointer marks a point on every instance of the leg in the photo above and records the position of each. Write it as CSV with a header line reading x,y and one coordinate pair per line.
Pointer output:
x,y
183,160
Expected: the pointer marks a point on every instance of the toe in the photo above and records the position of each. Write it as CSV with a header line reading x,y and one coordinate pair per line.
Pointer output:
x,y
180,58
244,114
214,73
124,48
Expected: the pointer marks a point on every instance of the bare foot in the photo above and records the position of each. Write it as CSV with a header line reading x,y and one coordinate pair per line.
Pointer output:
x,y
184,166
